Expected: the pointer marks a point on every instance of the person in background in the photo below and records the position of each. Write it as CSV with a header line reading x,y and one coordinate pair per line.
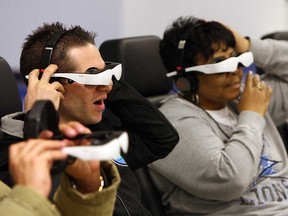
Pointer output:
x,y
30,164
93,101
230,159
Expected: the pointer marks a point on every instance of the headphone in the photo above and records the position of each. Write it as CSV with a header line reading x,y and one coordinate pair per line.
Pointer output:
x,y
185,82
48,50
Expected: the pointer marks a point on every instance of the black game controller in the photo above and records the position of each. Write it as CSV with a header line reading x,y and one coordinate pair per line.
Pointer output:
x,y
43,116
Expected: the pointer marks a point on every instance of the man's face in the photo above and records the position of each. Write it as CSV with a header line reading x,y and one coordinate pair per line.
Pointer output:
x,y
84,103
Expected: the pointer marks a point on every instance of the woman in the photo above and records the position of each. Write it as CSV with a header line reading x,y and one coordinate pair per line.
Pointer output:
x,y
230,158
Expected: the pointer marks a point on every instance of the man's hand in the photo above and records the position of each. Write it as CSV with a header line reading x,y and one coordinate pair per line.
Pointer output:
x,y
30,163
42,89
86,174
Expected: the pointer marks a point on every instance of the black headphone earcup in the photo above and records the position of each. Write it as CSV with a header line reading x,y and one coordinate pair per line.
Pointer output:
x,y
188,83
182,84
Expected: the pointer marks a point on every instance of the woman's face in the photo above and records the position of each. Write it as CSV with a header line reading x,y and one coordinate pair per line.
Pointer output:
x,y
216,89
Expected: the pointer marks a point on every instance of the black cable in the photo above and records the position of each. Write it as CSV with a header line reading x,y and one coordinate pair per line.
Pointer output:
x,y
208,116
215,123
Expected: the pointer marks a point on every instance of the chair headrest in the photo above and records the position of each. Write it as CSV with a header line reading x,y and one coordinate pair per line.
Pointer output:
x,y
281,35
142,67
9,93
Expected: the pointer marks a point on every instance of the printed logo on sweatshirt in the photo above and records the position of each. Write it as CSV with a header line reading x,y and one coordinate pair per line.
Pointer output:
x,y
267,166
275,190
120,161
266,189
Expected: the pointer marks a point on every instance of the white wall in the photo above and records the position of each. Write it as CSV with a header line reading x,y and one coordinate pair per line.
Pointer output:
x,y
253,17
124,18
19,17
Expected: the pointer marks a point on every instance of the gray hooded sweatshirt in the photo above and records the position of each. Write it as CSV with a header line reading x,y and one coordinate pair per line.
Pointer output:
x,y
219,170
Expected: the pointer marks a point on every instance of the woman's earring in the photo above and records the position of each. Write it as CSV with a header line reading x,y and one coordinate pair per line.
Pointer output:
x,y
195,98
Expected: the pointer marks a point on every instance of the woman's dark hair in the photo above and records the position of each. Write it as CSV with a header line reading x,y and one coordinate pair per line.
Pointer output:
x,y
200,37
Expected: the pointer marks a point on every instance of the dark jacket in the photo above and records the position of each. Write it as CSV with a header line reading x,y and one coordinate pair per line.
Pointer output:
x,y
151,137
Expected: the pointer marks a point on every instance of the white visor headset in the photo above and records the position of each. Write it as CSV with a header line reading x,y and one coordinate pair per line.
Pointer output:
x,y
94,76
227,65
106,151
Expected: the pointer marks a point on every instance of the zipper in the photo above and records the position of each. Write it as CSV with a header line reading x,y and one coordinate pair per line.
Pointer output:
x,y
122,202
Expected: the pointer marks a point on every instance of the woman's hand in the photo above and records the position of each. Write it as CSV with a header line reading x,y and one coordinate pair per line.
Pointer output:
x,y
256,95
242,43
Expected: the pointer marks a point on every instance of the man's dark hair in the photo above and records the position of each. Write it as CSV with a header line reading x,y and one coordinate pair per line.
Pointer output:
x,y
34,45
200,37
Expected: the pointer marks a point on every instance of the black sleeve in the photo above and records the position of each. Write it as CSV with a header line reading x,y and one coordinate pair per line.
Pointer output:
x,y
151,135
5,142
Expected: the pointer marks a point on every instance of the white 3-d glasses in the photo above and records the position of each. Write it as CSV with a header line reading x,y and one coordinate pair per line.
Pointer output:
x,y
106,151
93,76
228,65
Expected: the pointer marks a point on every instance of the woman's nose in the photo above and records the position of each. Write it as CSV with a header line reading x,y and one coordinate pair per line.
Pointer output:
x,y
238,71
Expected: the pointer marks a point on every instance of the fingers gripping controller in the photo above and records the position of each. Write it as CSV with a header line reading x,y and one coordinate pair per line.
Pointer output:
x,y
103,145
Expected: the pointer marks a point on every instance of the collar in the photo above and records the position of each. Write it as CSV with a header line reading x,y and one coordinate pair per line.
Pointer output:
x,y
13,125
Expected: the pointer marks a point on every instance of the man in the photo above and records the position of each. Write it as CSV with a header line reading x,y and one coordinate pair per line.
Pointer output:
x,y
30,164
151,136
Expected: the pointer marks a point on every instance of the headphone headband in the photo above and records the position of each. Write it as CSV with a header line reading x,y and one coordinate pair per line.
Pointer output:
x,y
180,51
48,50
185,83
180,54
